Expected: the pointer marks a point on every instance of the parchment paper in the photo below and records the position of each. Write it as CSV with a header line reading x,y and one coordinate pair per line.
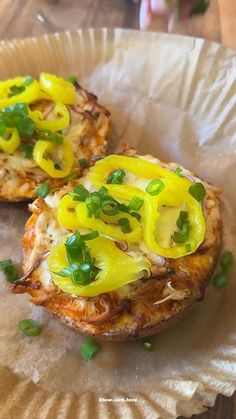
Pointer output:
x,y
175,98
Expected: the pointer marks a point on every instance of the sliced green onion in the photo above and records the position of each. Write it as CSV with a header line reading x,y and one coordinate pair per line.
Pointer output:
x,y
67,271
226,261
136,215
47,135
2,126
83,163
93,204
220,280
25,127
136,203
125,225
73,176
9,270
43,190
28,81
146,344
17,110
197,191
103,192
110,207
178,171
182,219
80,193
89,348
16,90
116,177
72,79
27,149
90,236
188,247
181,236
29,327
155,187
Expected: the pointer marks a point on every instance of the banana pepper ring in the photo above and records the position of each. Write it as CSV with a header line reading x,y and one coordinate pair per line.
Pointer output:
x,y
12,143
57,88
66,214
140,167
61,122
117,268
152,215
46,147
30,93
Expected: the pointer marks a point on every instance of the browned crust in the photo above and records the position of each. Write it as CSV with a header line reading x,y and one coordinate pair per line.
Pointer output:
x,y
111,317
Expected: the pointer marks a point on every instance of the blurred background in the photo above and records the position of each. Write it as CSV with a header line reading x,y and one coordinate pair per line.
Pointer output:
x,y
22,18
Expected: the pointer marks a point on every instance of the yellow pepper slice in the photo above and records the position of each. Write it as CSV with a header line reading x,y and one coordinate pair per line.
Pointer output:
x,y
43,148
109,224
140,167
66,214
61,121
152,217
59,89
12,144
30,94
117,268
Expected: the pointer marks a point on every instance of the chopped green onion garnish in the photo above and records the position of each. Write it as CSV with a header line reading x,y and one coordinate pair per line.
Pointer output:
x,y
47,135
80,193
89,348
16,90
182,219
136,215
178,171
197,191
188,247
29,327
93,204
17,110
8,270
226,261
90,236
25,127
220,280
116,177
125,225
73,176
72,79
110,207
27,149
155,187
183,224
43,190
83,162
146,344
82,269
136,203
2,126
28,81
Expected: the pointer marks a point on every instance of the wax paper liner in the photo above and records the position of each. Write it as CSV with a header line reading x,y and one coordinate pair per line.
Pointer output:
x,y
173,97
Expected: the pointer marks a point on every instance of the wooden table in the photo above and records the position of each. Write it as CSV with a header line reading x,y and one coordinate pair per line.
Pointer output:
x,y
22,18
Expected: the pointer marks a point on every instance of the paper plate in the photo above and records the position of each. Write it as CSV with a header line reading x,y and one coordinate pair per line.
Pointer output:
x,y
173,97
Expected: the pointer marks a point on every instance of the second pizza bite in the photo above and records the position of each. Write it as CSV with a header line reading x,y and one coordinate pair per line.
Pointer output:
x,y
124,251
49,129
